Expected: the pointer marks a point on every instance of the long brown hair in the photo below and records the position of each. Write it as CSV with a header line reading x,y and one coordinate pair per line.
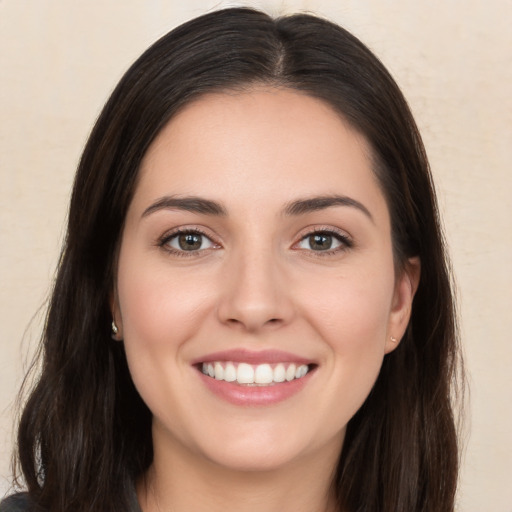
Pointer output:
x,y
85,433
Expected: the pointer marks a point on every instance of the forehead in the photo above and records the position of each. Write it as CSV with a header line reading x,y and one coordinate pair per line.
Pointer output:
x,y
263,145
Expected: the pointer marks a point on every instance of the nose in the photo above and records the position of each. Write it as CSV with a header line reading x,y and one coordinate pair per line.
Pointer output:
x,y
255,294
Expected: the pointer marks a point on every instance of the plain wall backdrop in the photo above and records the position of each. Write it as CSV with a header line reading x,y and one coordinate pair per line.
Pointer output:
x,y
59,60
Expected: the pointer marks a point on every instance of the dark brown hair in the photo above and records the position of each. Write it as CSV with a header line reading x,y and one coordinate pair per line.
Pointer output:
x,y
85,435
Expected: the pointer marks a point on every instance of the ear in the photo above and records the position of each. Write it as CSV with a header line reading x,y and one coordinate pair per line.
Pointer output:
x,y
117,321
405,287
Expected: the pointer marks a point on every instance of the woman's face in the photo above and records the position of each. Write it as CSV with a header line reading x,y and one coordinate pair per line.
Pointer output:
x,y
256,292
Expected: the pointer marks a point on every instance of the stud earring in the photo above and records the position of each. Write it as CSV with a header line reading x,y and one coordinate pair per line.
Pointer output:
x,y
115,330
393,339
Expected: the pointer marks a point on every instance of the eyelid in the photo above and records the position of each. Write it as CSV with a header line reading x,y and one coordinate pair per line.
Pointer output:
x,y
346,241
163,240
342,236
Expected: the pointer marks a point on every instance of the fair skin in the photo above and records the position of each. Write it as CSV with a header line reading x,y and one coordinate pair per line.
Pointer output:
x,y
262,270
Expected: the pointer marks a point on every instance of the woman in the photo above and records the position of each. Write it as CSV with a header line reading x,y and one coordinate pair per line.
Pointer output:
x,y
253,308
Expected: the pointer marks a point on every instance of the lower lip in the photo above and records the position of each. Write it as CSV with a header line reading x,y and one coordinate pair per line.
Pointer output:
x,y
254,395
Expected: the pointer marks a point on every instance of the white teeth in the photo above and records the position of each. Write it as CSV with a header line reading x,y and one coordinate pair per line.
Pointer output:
x,y
230,373
290,372
301,370
279,373
262,374
245,374
219,371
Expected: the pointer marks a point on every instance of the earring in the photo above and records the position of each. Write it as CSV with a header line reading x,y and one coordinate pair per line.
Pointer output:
x,y
115,330
393,339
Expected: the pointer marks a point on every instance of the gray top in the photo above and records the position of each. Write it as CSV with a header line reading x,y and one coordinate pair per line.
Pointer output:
x,y
22,503
15,503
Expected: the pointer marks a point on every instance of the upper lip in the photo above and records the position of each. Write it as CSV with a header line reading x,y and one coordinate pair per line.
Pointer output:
x,y
241,355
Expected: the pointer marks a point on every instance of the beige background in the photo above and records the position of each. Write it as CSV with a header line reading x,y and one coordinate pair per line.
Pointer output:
x,y
59,59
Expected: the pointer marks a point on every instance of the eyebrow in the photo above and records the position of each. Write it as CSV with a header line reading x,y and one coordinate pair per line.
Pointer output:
x,y
308,205
190,204
208,207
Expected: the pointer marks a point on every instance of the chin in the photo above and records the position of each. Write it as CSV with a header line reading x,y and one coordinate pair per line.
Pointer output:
x,y
262,447
257,458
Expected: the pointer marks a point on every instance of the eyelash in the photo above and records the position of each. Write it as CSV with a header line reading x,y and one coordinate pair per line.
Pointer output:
x,y
345,241
168,237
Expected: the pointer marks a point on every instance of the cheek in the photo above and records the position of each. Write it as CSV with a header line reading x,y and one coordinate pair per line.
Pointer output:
x,y
159,308
352,320
159,312
354,308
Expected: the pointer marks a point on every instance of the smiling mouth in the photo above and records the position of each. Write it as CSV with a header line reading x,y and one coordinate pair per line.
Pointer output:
x,y
255,375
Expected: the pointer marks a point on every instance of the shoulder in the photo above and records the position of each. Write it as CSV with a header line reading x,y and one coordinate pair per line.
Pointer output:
x,y
16,503
21,502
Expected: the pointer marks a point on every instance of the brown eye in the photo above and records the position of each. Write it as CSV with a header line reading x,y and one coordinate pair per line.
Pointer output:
x,y
189,241
320,242
323,241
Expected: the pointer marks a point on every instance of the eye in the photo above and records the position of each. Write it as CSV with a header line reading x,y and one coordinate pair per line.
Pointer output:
x,y
187,241
324,241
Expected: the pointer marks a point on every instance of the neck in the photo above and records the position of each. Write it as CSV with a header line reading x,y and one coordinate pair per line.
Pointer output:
x,y
179,481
